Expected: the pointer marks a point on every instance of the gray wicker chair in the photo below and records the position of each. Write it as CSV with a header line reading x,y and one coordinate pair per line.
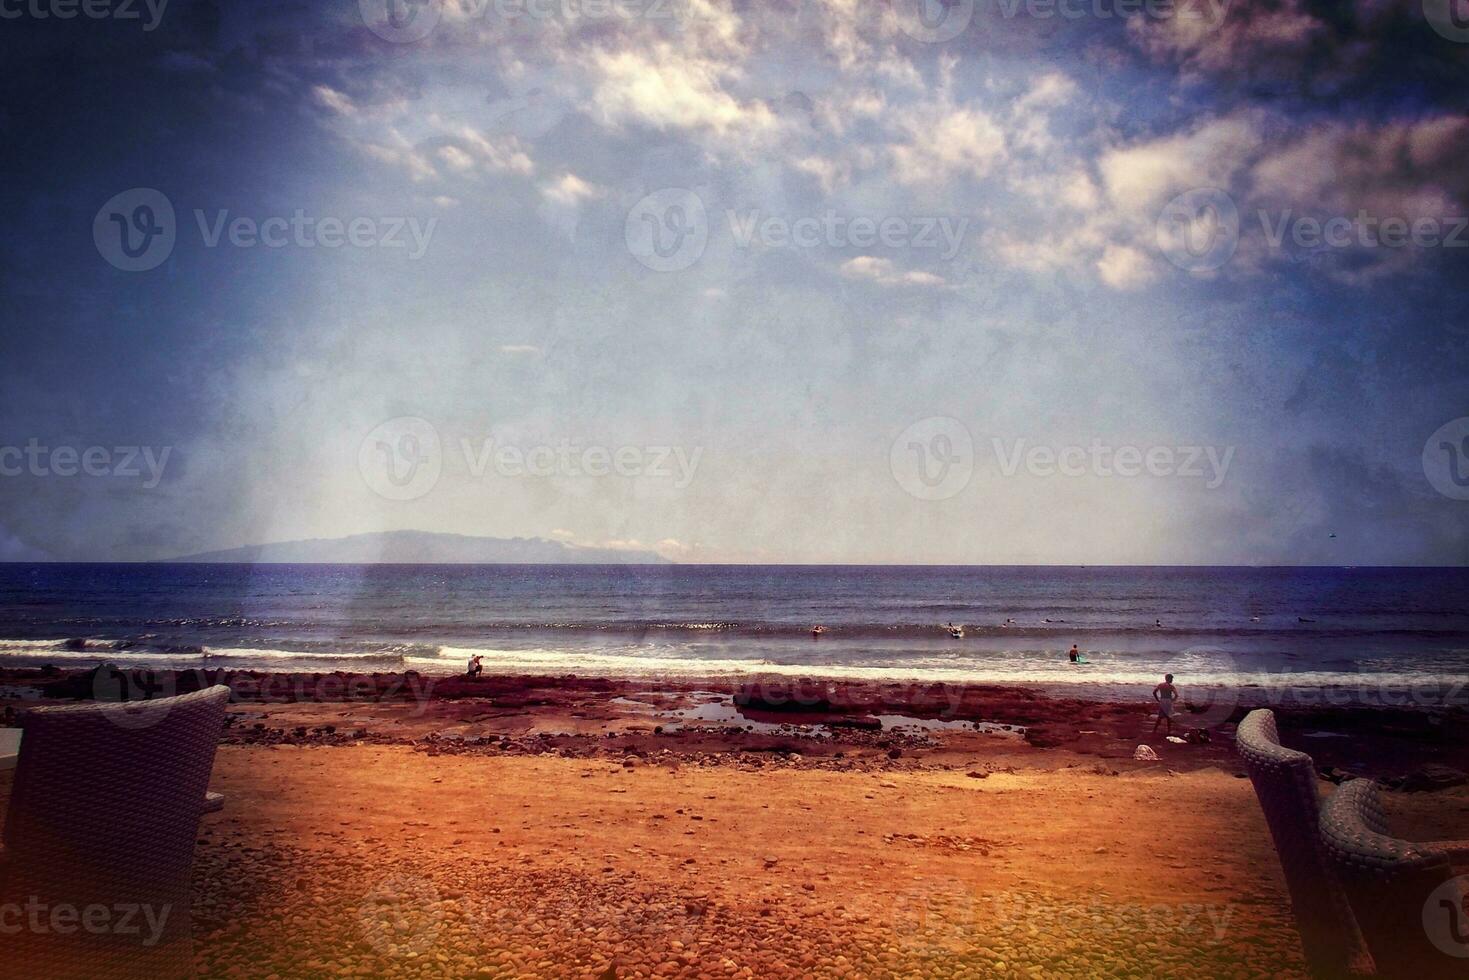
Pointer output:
x,y
1392,882
104,811
1285,783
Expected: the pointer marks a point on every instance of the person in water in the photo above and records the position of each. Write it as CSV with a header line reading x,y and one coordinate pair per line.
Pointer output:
x,y
1165,694
1075,654
475,666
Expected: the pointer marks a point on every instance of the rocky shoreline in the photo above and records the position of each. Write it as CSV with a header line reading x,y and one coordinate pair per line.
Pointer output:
x,y
803,722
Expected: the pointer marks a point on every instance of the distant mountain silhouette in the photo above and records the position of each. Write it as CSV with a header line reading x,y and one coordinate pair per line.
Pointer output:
x,y
423,548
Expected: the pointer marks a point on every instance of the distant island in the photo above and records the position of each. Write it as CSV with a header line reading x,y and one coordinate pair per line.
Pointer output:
x,y
423,548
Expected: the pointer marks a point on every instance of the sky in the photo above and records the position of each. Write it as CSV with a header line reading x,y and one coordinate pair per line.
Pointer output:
x,y
813,281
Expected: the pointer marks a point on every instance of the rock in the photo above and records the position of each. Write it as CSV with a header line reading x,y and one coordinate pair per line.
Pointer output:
x,y
1144,753
1428,778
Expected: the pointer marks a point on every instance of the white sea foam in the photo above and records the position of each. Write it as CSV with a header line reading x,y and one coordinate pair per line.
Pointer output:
x,y
1049,673
1196,668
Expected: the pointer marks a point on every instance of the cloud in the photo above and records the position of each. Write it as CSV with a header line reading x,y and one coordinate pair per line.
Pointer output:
x,y
519,349
829,173
1408,169
445,149
1125,267
455,158
883,271
1216,36
1029,120
570,190
948,143
561,202
666,88
1141,177
330,98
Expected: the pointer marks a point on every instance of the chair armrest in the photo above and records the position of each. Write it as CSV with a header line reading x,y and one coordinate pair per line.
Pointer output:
x,y
1455,852
213,802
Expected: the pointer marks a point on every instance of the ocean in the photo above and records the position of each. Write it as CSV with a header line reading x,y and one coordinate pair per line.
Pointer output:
x,y
1307,626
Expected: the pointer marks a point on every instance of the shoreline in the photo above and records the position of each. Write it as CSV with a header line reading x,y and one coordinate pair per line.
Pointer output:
x,y
812,715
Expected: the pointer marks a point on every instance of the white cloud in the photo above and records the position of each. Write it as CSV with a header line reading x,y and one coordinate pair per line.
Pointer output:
x,y
883,271
1143,176
330,98
456,159
570,190
1046,92
668,89
831,174
445,149
1125,267
952,142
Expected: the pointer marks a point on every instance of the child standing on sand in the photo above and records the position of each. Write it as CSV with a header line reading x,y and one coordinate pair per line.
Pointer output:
x,y
1165,694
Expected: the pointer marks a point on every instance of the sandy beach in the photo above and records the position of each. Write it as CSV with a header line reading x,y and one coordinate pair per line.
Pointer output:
x,y
581,827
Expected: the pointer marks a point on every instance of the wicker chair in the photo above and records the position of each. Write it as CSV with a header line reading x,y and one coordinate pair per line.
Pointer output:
x,y
1285,783
104,811
1399,889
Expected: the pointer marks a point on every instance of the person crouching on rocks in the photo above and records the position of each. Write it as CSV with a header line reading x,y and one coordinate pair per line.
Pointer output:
x,y
476,667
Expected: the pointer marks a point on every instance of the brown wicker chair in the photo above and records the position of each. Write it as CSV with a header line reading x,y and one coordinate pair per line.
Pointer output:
x,y
1400,890
104,811
1285,783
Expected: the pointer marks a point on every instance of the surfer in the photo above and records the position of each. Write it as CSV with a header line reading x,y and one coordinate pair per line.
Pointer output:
x,y
1075,654
817,631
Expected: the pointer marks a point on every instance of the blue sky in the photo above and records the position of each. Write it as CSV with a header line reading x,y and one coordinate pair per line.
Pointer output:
x,y
784,383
